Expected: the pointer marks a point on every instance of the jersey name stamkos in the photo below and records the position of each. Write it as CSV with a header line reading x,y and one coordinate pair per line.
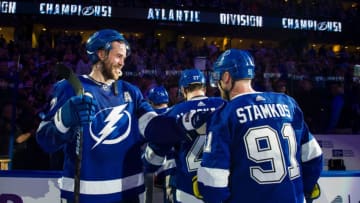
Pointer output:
x,y
262,111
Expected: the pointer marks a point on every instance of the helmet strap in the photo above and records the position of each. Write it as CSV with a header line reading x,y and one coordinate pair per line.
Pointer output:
x,y
115,88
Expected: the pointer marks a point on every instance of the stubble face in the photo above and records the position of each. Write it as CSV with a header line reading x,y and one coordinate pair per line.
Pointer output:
x,y
114,61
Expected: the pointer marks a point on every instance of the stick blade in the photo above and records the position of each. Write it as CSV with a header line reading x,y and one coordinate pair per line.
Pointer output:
x,y
62,71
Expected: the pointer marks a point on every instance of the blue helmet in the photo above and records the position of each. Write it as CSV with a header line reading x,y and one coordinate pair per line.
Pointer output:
x,y
191,76
158,95
239,63
102,40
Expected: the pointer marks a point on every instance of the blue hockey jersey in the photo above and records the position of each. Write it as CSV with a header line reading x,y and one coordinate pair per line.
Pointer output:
x,y
187,153
111,162
258,149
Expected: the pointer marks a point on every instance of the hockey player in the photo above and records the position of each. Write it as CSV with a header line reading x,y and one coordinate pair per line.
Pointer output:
x,y
188,151
114,118
159,99
258,147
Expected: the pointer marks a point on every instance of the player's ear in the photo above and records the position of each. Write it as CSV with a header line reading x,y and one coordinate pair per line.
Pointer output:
x,y
226,77
182,92
101,54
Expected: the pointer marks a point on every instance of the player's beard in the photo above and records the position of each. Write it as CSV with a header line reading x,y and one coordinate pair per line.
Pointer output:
x,y
111,72
225,94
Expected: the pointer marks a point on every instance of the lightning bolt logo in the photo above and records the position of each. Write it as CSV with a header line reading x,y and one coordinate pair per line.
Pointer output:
x,y
111,121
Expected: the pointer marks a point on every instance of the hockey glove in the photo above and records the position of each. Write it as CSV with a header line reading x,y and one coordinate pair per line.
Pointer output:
x,y
315,193
196,188
78,110
194,120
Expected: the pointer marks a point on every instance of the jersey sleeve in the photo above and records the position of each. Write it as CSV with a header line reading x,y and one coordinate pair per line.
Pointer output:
x,y
311,160
51,135
214,170
153,126
311,153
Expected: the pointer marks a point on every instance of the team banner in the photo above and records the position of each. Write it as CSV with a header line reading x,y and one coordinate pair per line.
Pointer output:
x,y
175,15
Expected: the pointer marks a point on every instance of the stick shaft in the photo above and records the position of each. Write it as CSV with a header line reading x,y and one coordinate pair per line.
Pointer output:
x,y
67,73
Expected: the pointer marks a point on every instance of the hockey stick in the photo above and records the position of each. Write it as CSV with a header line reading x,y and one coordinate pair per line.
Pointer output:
x,y
67,73
149,184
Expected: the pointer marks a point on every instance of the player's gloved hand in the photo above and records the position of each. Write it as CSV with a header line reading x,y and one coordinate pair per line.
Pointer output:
x,y
196,188
315,193
194,119
78,110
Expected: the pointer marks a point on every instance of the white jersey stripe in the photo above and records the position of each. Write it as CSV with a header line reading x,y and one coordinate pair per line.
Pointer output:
x,y
168,164
213,177
144,121
103,186
152,157
58,122
184,197
310,150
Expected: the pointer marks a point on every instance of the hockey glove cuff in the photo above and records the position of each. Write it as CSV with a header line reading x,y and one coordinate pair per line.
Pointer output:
x,y
78,110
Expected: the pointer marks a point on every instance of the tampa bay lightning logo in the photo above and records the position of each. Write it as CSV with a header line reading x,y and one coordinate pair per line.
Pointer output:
x,y
88,11
110,126
322,26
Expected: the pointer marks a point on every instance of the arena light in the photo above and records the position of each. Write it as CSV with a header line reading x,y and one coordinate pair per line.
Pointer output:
x,y
336,48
